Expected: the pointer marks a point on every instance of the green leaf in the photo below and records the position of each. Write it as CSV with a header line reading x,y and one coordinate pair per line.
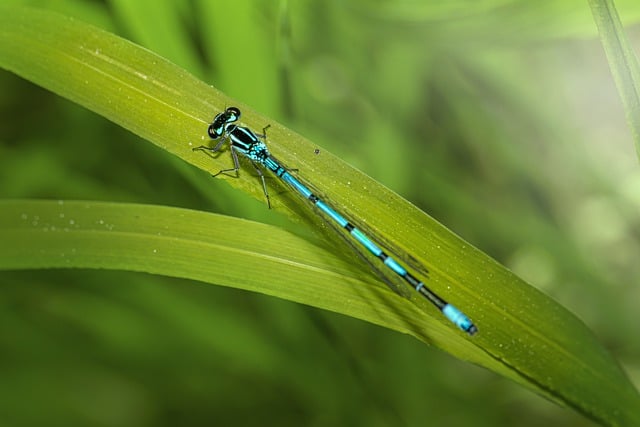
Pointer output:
x,y
524,335
622,61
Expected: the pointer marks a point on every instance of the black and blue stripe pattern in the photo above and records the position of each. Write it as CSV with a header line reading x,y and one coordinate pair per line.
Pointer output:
x,y
244,141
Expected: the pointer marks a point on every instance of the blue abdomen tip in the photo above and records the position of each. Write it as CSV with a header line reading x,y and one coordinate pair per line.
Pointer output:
x,y
459,319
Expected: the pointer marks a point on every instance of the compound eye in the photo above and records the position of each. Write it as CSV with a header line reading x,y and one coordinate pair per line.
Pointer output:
x,y
215,131
233,114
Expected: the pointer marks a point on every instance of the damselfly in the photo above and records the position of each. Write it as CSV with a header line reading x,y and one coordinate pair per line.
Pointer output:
x,y
246,142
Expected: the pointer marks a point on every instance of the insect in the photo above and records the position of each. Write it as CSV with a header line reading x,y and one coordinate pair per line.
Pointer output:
x,y
247,143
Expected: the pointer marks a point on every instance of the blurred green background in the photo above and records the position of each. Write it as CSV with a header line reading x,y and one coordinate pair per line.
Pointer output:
x,y
499,118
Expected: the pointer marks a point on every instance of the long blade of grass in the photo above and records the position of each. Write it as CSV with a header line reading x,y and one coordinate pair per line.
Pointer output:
x,y
524,335
622,61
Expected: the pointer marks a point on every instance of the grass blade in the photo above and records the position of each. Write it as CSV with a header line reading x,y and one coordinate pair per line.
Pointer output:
x,y
622,61
524,335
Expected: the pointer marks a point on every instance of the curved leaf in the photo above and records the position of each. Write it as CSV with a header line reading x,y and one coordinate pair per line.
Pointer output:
x,y
524,335
622,61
